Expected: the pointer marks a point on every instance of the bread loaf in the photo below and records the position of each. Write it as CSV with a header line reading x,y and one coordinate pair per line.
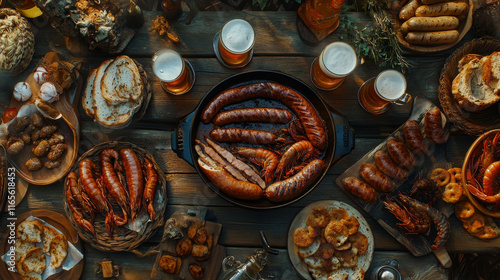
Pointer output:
x,y
121,81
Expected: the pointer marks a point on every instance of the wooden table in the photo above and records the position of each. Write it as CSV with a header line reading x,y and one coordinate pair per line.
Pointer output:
x,y
278,48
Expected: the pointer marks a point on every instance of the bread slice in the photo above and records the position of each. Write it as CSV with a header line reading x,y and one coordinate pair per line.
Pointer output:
x,y
22,247
491,76
30,231
58,251
121,81
32,276
87,98
33,261
49,233
466,59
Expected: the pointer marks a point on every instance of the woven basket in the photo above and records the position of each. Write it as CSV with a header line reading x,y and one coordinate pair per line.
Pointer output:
x,y
123,238
471,123
17,41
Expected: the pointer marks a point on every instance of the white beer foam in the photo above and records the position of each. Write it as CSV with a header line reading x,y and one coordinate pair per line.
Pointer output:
x,y
238,36
167,65
339,58
390,84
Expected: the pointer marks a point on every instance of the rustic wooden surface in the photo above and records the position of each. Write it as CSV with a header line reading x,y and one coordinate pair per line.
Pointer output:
x,y
279,48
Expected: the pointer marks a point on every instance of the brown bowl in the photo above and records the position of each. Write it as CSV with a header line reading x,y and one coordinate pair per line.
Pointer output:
x,y
463,28
473,153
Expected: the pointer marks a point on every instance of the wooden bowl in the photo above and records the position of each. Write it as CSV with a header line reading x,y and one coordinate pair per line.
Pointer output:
x,y
124,239
472,123
474,152
463,28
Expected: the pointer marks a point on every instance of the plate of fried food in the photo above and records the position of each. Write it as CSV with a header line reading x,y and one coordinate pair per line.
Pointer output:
x,y
431,25
330,240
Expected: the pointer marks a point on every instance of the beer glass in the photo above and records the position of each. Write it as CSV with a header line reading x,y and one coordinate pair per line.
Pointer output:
x,y
234,46
335,62
377,94
175,73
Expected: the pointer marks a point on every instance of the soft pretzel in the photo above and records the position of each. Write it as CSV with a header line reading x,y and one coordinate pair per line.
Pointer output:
x,y
456,174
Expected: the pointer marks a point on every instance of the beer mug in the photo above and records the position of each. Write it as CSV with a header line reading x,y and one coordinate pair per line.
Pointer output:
x,y
377,94
335,62
175,73
233,45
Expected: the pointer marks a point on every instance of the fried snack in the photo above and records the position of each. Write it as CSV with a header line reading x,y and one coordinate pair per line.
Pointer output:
x,y
305,252
351,224
441,176
30,231
456,174
360,242
319,218
338,214
347,258
193,228
474,224
304,237
336,233
464,209
184,247
200,252
325,251
170,264
453,192
196,270
201,236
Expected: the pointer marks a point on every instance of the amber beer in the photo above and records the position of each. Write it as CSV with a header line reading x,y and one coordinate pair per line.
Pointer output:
x,y
335,62
173,71
377,94
236,42
27,8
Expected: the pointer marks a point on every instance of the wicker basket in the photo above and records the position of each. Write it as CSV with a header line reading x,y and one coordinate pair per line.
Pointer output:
x,y
123,238
471,123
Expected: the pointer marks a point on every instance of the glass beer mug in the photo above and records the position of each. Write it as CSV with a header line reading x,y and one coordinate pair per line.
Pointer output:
x,y
175,73
377,94
234,46
335,62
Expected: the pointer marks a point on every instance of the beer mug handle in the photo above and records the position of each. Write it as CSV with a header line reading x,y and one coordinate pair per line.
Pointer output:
x,y
403,100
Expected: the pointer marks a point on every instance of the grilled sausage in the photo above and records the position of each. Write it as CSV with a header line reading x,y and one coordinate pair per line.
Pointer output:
x,y
409,9
385,164
376,178
442,9
432,38
271,115
430,24
400,154
433,126
309,118
413,137
294,186
243,135
360,189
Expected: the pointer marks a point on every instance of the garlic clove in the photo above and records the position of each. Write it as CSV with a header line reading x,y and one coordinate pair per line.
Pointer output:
x,y
41,75
48,92
22,92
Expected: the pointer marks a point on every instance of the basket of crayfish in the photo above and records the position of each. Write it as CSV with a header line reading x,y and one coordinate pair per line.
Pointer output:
x,y
482,169
115,196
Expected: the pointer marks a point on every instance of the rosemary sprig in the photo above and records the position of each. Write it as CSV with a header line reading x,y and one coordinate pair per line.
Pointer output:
x,y
379,42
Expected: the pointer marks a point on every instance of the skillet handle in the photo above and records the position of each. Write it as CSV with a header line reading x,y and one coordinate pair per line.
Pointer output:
x,y
181,138
344,135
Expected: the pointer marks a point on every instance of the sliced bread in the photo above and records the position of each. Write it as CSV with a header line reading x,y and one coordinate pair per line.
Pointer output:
x,y
466,59
32,276
33,261
30,231
58,251
22,247
87,99
49,233
121,81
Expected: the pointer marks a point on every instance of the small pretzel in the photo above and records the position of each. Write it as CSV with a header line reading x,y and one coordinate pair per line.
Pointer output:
x,y
441,176
456,174
487,233
453,192
464,209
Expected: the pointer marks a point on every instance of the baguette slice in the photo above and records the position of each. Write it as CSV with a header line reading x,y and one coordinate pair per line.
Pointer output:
x,y
49,233
466,59
22,247
88,99
121,81
33,261
58,251
30,231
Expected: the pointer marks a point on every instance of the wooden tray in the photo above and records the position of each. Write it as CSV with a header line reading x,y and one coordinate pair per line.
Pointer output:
x,y
62,224
69,126
418,245
471,123
463,28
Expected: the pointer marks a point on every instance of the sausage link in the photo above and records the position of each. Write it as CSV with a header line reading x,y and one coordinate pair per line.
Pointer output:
x,y
430,24
243,135
433,126
413,137
400,154
385,164
409,9
294,186
360,189
442,9
271,115
376,178
309,118
432,38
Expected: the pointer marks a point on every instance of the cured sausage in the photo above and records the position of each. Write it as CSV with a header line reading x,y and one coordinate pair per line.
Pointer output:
x,y
409,9
430,24
442,9
432,38
360,189
243,135
385,164
294,186
135,179
376,178
433,126
400,154
413,137
228,185
270,115
309,118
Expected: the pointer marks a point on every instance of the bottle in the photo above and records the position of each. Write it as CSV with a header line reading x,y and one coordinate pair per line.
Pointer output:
x,y
133,16
321,14
27,8
172,9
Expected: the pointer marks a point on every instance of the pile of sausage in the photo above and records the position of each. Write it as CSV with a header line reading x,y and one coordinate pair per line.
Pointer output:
x,y
284,173
398,160
432,22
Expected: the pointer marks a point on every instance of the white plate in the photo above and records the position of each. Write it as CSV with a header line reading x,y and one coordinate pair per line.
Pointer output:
x,y
300,221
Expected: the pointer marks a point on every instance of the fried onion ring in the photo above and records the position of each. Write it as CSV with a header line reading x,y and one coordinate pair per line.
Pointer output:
x,y
441,176
319,218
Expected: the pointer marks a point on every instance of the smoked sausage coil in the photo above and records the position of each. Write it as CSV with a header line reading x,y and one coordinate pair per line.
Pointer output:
x,y
376,178
309,118
413,137
360,189
243,135
400,154
270,115
294,186
387,166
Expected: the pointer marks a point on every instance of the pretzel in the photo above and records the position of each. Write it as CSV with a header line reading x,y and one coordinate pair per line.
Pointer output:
x,y
456,174
464,209
453,192
441,176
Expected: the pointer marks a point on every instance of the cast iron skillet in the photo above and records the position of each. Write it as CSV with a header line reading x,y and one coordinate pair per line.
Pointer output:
x,y
340,134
